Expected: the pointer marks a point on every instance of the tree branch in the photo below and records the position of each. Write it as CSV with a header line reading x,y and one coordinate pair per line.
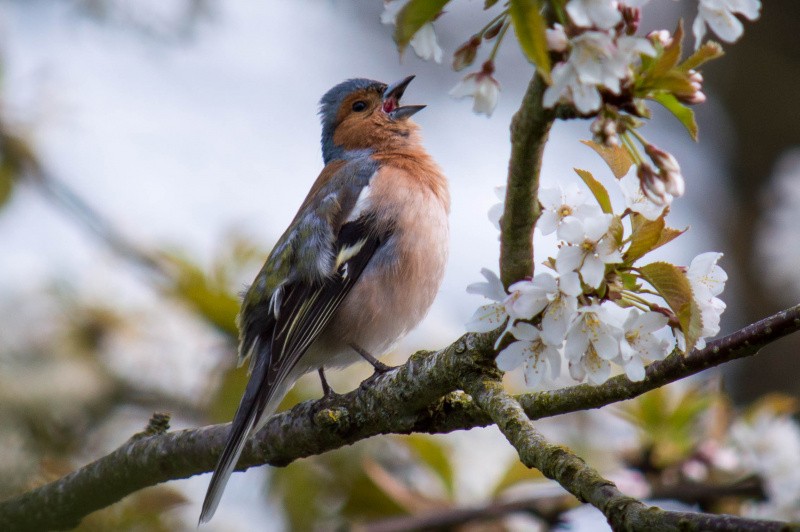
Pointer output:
x,y
530,128
584,482
419,396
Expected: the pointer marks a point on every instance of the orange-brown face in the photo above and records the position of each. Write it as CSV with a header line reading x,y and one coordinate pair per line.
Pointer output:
x,y
363,120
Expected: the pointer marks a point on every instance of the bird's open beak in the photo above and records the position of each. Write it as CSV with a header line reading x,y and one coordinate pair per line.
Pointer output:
x,y
391,101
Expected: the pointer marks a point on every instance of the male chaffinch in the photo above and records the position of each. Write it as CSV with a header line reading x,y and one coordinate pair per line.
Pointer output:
x,y
358,267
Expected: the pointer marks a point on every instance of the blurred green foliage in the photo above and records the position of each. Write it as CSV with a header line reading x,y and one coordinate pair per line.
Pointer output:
x,y
668,420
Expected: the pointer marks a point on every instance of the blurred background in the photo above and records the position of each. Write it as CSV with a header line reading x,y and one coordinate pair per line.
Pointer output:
x,y
150,154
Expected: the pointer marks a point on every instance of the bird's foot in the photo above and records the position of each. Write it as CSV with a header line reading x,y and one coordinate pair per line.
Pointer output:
x,y
327,391
379,367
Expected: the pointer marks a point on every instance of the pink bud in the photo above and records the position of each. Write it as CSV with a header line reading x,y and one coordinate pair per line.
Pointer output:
x,y
661,37
556,38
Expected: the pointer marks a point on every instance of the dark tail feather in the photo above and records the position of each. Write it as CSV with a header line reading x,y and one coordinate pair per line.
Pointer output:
x,y
247,415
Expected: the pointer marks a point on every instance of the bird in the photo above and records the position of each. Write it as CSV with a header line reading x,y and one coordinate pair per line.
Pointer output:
x,y
358,267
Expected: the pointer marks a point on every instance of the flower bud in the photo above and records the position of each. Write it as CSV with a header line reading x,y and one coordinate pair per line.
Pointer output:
x,y
465,55
661,37
652,185
557,40
631,16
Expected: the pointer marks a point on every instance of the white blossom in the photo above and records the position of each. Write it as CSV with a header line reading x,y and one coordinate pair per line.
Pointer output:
x,y
770,445
491,316
720,15
707,281
602,14
561,310
425,45
597,59
532,352
559,205
424,42
779,231
482,88
592,247
496,210
636,200
592,341
638,345
528,298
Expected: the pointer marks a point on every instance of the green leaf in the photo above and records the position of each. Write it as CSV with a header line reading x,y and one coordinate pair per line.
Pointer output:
x,y
673,285
629,281
530,25
489,3
707,51
434,453
668,235
412,17
616,157
207,296
516,473
681,112
645,237
671,54
597,188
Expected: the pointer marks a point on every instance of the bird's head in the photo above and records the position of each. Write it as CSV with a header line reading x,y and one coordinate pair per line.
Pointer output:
x,y
363,114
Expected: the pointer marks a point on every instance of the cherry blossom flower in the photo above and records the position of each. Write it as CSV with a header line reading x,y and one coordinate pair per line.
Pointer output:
x,y
529,298
720,15
559,205
597,59
496,210
592,341
481,87
532,353
636,200
562,308
707,280
491,316
590,250
602,14
769,444
638,345
424,42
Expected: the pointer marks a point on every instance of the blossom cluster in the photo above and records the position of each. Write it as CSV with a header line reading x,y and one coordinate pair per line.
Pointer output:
x,y
591,307
595,47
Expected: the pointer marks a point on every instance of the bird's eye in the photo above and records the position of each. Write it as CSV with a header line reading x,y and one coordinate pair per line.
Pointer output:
x,y
359,106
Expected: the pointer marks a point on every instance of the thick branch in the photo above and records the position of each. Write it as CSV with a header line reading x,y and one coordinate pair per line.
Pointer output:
x,y
529,130
390,402
420,396
584,482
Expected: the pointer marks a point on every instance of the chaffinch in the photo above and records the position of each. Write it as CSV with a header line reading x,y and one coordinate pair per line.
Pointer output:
x,y
358,267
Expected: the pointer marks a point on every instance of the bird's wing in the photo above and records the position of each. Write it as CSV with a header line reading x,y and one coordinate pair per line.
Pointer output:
x,y
326,248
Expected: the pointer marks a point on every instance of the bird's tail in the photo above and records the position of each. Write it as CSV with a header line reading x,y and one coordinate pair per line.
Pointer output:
x,y
257,403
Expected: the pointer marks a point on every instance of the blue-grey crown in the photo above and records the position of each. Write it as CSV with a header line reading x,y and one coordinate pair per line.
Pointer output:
x,y
329,108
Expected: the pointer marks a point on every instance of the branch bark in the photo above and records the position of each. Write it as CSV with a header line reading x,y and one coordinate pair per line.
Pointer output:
x,y
420,396
584,482
530,128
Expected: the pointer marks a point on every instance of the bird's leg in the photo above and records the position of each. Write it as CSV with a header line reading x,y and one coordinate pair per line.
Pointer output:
x,y
326,388
379,366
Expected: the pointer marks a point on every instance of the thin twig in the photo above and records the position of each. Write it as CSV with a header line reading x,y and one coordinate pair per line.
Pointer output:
x,y
584,482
